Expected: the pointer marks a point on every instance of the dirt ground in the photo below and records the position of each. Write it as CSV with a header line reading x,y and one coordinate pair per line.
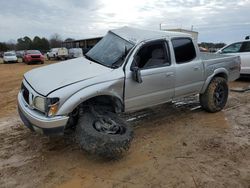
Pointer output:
x,y
175,145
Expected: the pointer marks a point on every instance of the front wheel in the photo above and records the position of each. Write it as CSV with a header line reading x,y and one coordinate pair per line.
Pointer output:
x,y
215,97
103,134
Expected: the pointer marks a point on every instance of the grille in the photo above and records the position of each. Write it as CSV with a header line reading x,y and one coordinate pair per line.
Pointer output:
x,y
35,56
25,93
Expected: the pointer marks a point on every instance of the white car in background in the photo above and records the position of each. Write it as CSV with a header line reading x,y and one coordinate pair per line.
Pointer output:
x,y
52,53
75,52
58,53
241,49
9,57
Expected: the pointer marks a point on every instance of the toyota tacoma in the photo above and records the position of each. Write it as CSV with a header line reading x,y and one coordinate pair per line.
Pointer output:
x,y
128,70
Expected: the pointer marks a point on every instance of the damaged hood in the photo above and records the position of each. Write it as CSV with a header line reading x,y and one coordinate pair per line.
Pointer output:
x,y
49,78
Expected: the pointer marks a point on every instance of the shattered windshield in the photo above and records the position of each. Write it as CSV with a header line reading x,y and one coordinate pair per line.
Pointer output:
x,y
110,51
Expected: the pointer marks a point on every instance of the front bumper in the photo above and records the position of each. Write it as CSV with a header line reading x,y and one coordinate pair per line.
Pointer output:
x,y
37,122
10,60
34,60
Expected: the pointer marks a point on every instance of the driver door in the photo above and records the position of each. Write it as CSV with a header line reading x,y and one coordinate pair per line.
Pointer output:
x,y
157,74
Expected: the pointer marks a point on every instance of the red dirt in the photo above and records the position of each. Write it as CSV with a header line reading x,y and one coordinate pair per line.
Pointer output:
x,y
175,145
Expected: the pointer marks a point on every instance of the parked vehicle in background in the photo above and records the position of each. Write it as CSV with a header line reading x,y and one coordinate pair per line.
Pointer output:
x,y
9,57
33,56
58,53
127,70
75,52
52,54
20,53
62,53
242,49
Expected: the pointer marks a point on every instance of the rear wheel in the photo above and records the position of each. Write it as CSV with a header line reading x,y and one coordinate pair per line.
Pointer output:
x,y
103,134
215,97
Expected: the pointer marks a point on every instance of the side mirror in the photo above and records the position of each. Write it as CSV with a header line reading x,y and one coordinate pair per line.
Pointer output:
x,y
136,74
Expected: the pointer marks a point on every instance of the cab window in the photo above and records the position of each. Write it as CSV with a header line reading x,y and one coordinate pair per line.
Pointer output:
x,y
152,55
184,50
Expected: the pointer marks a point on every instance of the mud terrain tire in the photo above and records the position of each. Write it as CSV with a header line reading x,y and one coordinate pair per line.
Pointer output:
x,y
215,97
99,142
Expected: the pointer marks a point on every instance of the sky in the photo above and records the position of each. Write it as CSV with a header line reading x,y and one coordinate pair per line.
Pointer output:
x,y
216,21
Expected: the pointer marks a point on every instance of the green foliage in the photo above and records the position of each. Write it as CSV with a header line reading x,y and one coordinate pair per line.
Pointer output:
x,y
45,44
24,43
37,43
209,45
3,47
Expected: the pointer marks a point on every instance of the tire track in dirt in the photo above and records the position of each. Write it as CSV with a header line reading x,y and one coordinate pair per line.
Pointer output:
x,y
175,145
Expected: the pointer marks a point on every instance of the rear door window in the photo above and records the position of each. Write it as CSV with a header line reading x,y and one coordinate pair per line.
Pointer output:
x,y
245,47
184,50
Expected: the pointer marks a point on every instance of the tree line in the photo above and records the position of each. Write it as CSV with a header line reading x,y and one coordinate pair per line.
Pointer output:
x,y
55,41
43,44
210,45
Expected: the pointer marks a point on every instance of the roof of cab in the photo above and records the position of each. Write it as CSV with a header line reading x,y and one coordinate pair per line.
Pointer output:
x,y
135,35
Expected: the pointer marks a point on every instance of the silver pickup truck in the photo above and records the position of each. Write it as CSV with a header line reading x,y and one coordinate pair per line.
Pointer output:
x,y
128,70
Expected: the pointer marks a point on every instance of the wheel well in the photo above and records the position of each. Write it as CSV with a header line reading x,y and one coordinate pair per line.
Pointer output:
x,y
208,81
112,103
222,75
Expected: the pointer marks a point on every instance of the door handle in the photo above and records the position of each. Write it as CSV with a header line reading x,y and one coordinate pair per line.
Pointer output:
x,y
169,74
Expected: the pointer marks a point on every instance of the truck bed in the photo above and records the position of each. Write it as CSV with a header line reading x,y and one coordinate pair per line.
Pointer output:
x,y
217,61
211,56
211,59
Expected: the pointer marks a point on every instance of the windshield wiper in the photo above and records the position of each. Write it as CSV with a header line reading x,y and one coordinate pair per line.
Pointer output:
x,y
91,59
114,66
118,62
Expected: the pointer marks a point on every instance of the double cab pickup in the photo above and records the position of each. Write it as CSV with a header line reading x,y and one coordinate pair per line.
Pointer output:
x,y
128,70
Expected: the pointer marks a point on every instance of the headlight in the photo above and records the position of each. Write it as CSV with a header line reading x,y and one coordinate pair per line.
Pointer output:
x,y
47,105
52,106
39,103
